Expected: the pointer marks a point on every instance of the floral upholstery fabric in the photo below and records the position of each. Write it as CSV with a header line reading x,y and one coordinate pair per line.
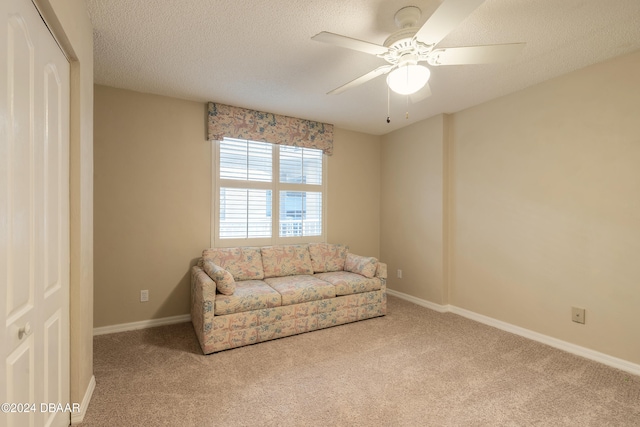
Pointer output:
x,y
297,289
224,280
243,263
286,312
350,301
366,266
203,293
251,327
249,295
347,283
249,319
235,122
381,272
327,257
276,307
286,260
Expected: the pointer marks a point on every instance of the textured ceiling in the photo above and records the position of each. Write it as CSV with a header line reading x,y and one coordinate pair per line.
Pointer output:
x,y
259,54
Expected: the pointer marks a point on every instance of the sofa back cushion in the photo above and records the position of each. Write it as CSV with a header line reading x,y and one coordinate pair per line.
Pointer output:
x,y
365,266
327,257
243,263
286,260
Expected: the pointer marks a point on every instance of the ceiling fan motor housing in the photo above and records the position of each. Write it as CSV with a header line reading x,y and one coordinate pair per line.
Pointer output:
x,y
407,17
407,21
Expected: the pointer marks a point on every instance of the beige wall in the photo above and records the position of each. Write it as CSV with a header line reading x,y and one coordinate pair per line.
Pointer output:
x,y
69,22
544,207
353,204
413,208
153,198
152,188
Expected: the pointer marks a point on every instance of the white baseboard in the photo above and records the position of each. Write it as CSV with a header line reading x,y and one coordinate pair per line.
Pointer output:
x,y
77,417
419,301
587,353
143,324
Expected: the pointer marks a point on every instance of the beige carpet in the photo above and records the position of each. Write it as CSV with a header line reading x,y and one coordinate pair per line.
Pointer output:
x,y
413,367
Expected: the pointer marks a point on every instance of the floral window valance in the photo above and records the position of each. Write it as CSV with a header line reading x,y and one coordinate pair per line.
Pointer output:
x,y
234,122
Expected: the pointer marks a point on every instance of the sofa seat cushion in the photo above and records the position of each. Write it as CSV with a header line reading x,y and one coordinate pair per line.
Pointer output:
x,y
286,260
249,295
301,288
347,283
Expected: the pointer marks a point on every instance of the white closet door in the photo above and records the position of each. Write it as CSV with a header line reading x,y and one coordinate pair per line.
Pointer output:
x,y
34,219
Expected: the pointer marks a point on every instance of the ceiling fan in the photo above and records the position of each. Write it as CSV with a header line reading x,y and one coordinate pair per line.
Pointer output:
x,y
406,48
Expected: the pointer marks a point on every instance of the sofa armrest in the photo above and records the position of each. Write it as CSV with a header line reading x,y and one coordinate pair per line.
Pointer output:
x,y
381,271
203,293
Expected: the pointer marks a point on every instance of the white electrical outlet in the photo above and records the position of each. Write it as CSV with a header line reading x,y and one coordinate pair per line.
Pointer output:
x,y
399,274
577,314
144,295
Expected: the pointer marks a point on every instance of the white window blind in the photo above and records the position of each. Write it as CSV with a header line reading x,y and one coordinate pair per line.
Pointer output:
x,y
243,213
300,165
244,209
246,160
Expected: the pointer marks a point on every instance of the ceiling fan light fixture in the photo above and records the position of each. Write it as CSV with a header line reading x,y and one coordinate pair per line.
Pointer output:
x,y
408,79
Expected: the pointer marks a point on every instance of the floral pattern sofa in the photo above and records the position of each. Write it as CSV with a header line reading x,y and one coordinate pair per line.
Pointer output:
x,y
246,295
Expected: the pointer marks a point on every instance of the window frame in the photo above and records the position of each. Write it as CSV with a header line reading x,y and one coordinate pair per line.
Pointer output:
x,y
276,187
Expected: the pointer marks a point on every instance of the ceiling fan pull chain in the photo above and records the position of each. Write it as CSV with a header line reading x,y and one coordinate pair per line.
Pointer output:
x,y
388,102
406,116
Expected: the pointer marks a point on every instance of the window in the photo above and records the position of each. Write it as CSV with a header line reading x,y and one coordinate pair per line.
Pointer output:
x,y
247,176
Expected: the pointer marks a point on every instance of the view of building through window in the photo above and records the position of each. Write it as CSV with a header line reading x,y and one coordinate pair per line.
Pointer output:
x,y
246,186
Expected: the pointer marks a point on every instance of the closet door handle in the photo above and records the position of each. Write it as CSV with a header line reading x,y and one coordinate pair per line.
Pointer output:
x,y
24,331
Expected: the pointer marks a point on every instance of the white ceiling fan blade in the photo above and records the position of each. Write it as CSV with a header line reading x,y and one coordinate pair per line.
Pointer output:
x,y
362,79
349,43
420,95
447,17
475,54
